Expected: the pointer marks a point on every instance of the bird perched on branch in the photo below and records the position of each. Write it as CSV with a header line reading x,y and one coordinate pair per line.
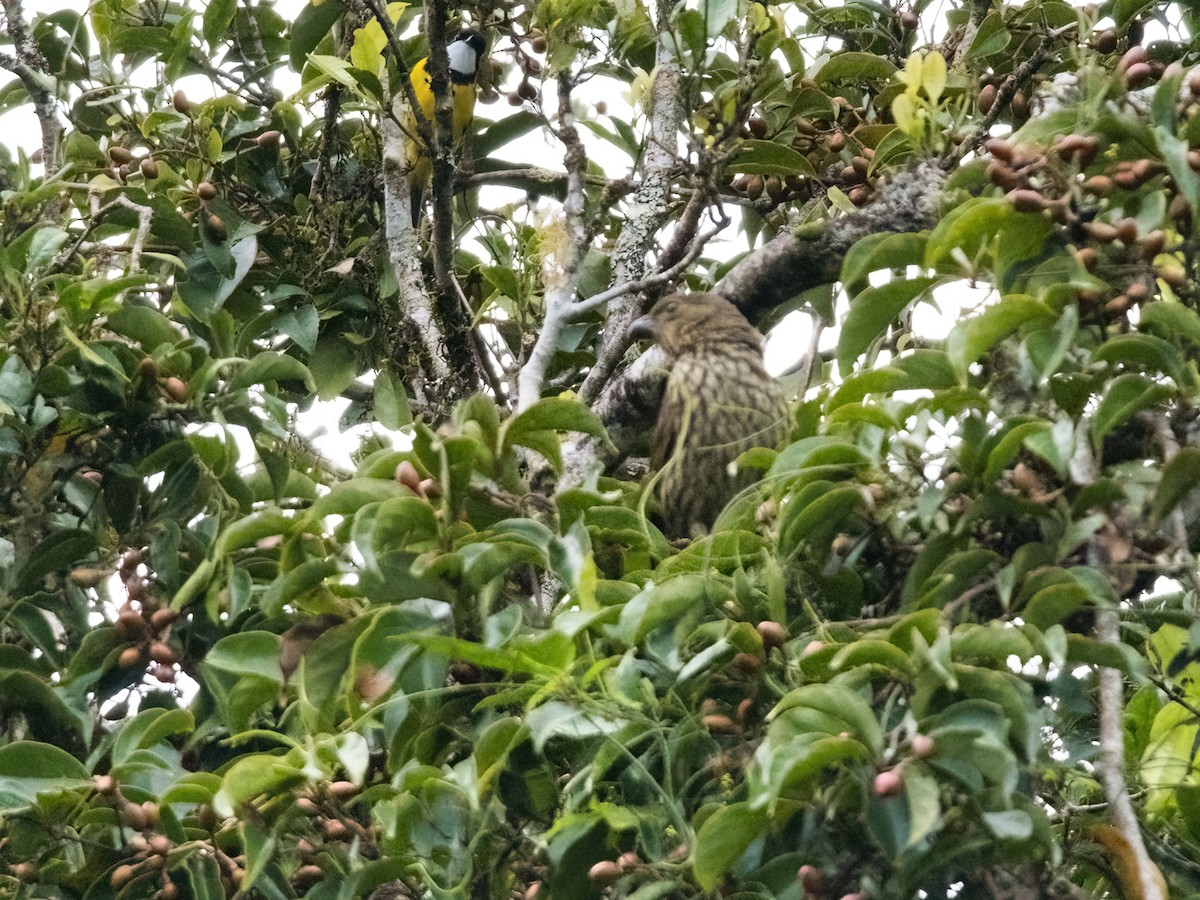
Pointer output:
x,y
719,401
465,53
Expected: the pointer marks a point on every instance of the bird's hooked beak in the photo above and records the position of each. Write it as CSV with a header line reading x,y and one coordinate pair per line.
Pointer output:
x,y
642,329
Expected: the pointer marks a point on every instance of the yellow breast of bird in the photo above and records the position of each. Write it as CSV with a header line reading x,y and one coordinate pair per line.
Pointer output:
x,y
420,164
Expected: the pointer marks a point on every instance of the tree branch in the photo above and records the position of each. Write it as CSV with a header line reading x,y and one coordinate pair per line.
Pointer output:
x,y
563,263
649,206
795,261
30,67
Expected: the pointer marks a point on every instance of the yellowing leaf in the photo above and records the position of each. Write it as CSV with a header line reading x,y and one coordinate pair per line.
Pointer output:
x,y
904,113
366,52
912,71
933,75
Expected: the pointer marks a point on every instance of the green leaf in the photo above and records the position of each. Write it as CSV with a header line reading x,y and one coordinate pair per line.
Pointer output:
x,y
149,728
770,158
507,128
248,653
1175,154
218,16
557,719
146,326
1126,396
537,426
60,550
1008,446
334,366
967,229
310,27
1179,477
723,838
872,311
991,38
1171,320
974,337
269,366
30,768
855,66
883,250
1053,604
845,708
391,401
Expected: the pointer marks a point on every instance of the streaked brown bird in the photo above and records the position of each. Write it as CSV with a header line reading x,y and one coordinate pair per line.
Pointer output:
x,y
719,402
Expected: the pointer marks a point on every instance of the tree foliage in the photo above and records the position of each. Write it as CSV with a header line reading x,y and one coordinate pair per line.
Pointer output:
x,y
946,647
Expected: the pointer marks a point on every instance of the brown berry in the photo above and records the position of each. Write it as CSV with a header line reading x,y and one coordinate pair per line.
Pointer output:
x,y
755,186
811,880
747,663
1138,75
888,784
909,20
160,844
526,90
1154,243
922,745
1101,232
105,784
1100,185
120,155
149,168
1106,41
120,877
604,872
757,126
629,860
1027,201
161,618
176,389
269,141
1172,274
1132,57
1088,257
132,816
342,790
130,623
86,577
537,42
772,633
407,475
986,98
719,724
429,488
181,103
162,652
306,877
1127,231
216,227
1137,292
514,99
1020,105
837,141
206,191
130,657
1000,149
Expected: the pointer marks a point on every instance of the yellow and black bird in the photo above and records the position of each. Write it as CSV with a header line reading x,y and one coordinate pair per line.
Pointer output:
x,y
465,53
